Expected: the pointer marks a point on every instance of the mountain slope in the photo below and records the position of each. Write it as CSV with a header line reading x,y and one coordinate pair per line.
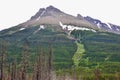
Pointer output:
x,y
108,27
102,50
54,16
63,48
51,25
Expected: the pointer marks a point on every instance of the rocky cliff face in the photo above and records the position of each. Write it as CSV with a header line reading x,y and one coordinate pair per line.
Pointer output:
x,y
54,16
45,12
105,26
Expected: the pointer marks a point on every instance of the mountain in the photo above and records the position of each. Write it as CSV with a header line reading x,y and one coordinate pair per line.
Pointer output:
x,y
54,16
108,27
93,41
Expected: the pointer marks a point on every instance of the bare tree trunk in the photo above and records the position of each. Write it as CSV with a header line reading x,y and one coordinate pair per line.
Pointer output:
x,y
117,77
24,61
39,65
9,72
50,60
97,74
34,72
13,71
3,60
19,74
45,70
23,74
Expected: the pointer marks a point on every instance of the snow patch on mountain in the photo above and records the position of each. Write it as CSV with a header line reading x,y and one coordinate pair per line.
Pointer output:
x,y
98,25
109,25
71,27
21,29
41,27
41,14
117,29
63,26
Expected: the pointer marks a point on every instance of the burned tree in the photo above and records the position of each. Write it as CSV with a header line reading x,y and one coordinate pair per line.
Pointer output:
x,y
97,74
9,71
39,65
24,60
13,71
43,65
50,60
40,69
3,60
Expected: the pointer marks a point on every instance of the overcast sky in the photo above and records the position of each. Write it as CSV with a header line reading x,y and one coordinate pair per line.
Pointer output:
x,y
14,12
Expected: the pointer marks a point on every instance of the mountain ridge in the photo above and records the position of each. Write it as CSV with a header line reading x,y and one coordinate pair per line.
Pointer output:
x,y
109,27
53,16
54,26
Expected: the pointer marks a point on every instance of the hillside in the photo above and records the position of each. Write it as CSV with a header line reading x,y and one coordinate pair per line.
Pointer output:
x,y
101,49
66,45
62,46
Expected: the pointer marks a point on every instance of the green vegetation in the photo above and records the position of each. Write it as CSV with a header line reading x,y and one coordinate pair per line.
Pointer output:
x,y
63,48
78,55
83,56
102,50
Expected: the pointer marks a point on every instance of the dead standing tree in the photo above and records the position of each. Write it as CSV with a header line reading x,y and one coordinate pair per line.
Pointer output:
x,y
9,72
43,67
50,62
39,65
97,74
13,71
40,69
3,60
24,64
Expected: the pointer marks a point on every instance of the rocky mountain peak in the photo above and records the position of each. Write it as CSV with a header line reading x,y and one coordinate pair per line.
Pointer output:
x,y
45,12
54,16
38,13
79,16
103,25
52,8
